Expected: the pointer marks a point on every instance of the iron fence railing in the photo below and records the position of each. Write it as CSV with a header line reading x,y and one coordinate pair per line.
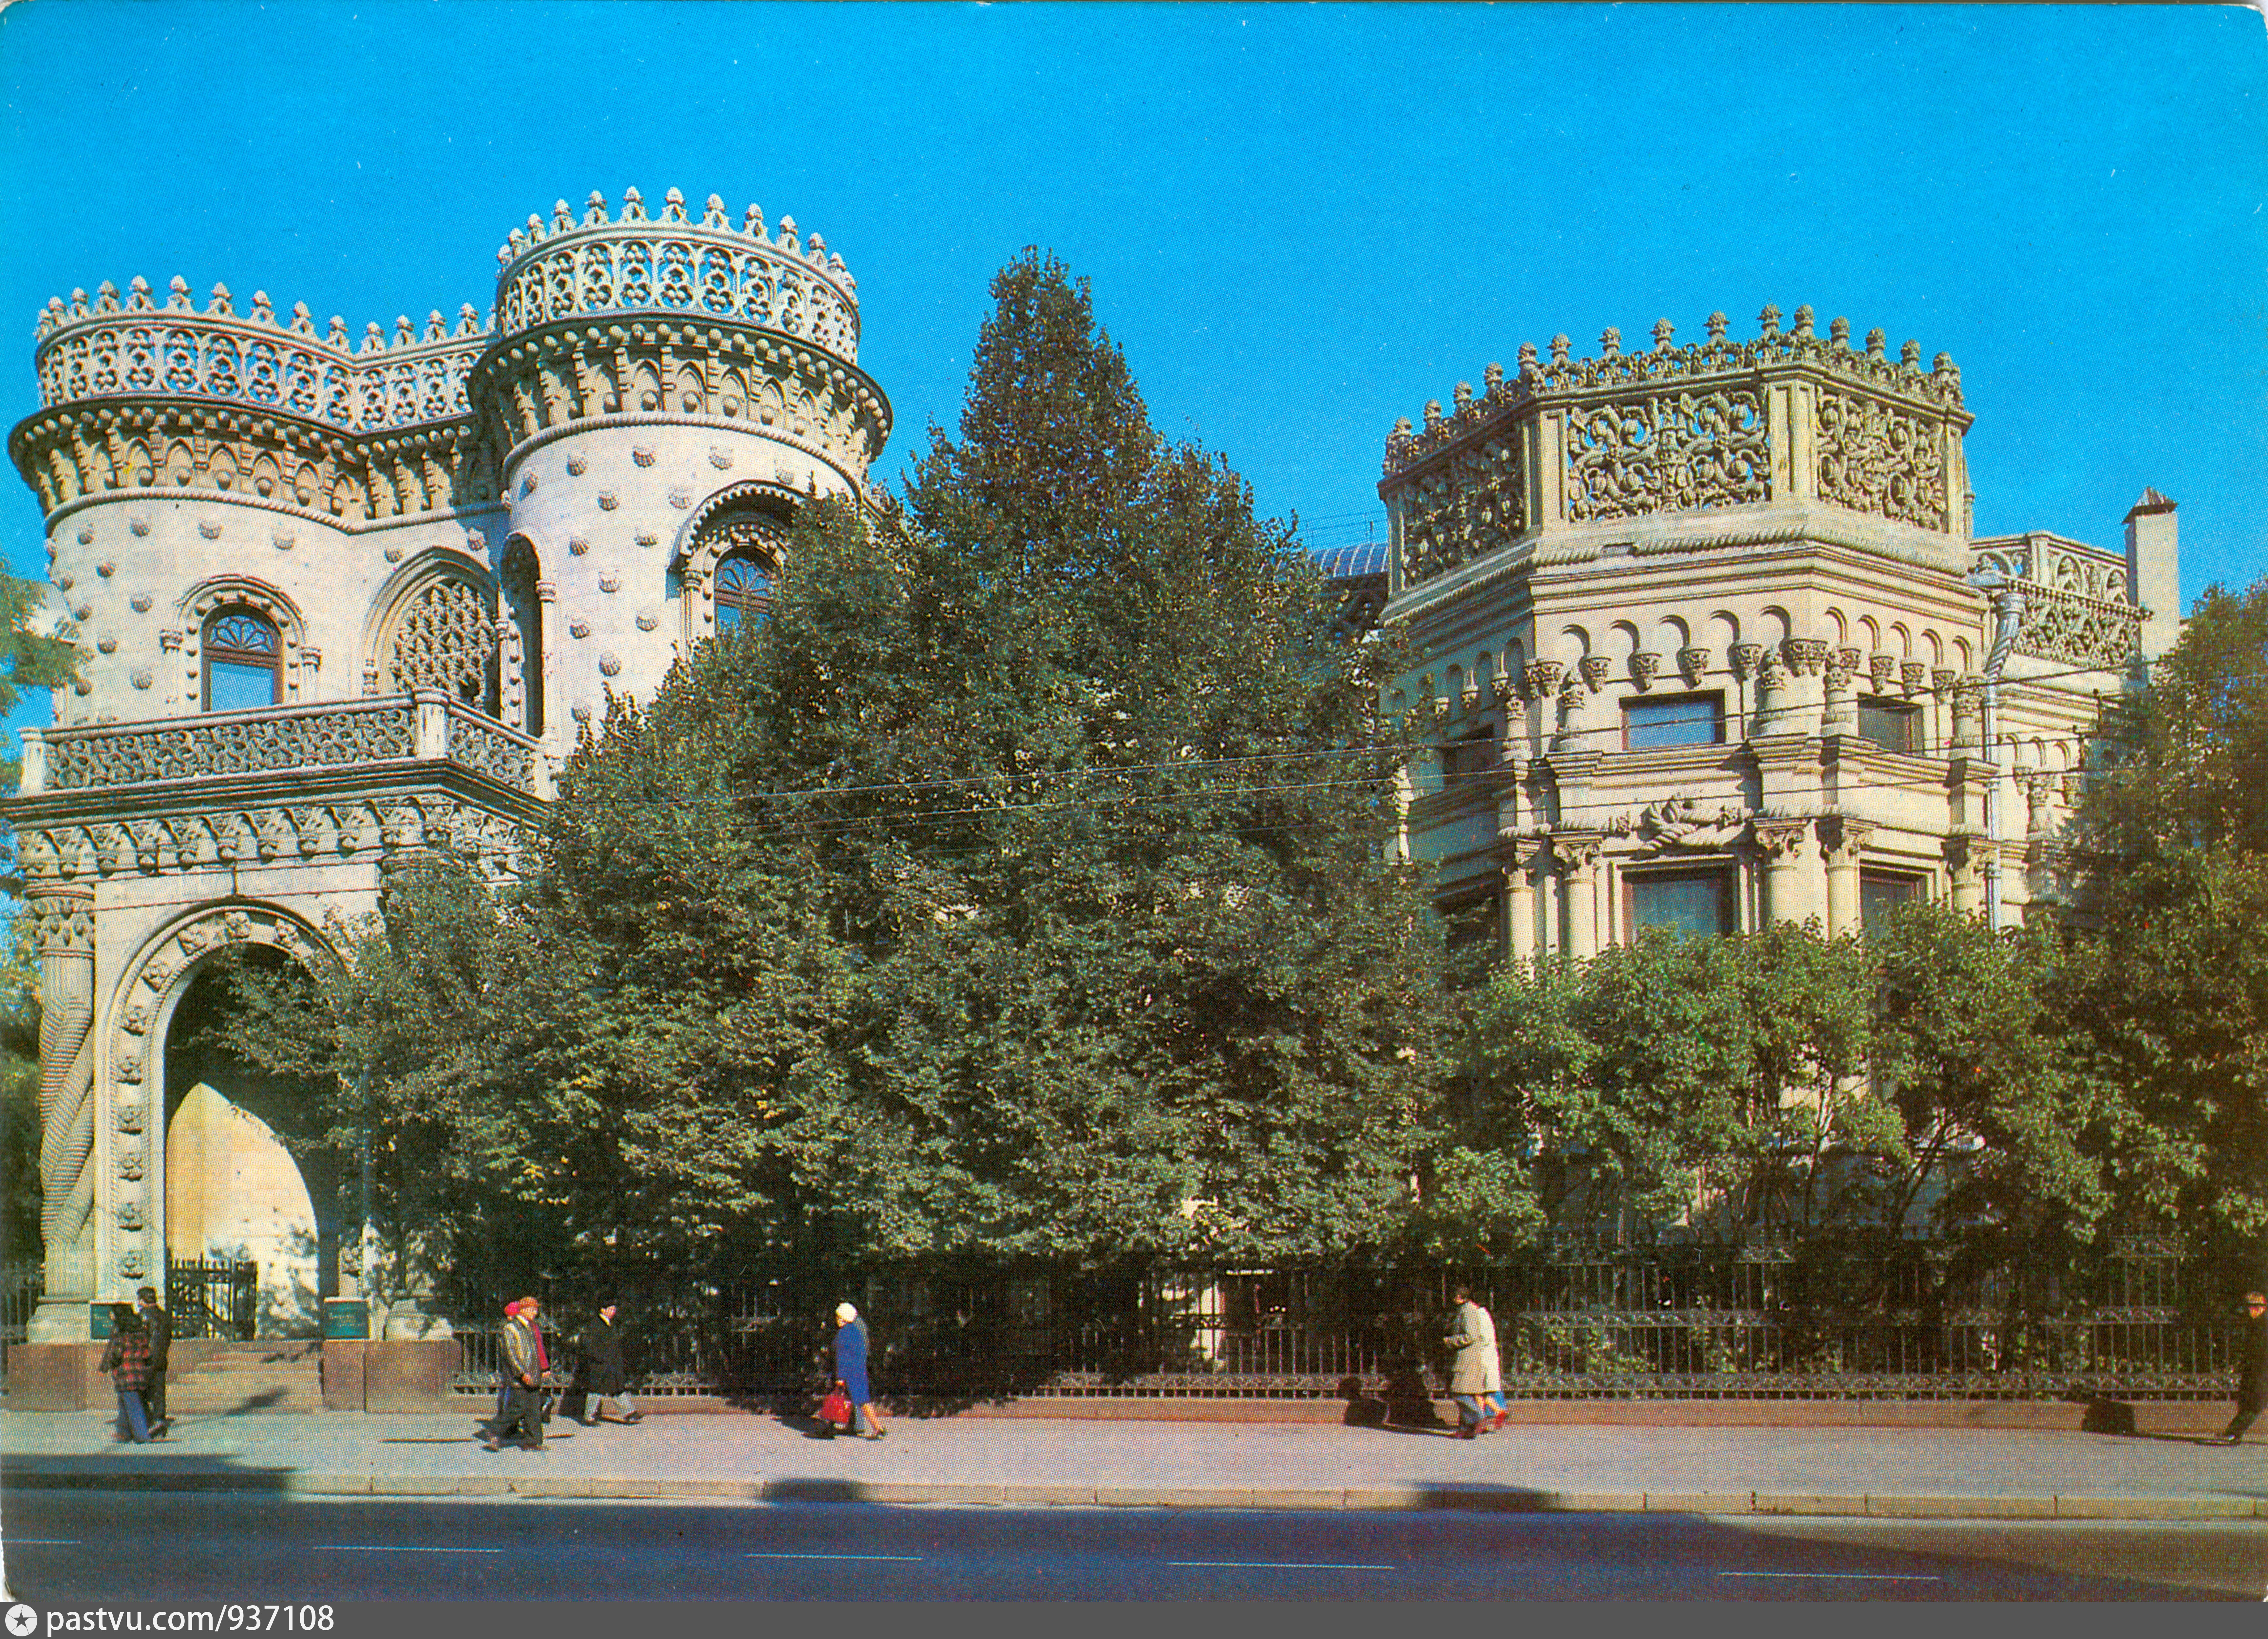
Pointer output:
x,y
21,1283
1623,1322
213,1297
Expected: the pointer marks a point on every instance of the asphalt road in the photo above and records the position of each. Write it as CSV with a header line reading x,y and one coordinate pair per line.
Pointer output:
x,y
66,1547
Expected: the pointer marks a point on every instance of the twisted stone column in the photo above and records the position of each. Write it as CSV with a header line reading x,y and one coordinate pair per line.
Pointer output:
x,y
63,923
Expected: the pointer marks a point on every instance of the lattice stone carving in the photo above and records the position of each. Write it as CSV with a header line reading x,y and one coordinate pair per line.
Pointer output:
x,y
1467,508
1874,457
129,756
446,639
1665,454
2075,629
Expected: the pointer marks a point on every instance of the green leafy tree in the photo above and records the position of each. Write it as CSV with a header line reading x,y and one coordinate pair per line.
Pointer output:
x,y
2001,1115
32,658
1028,858
2167,970
1676,1079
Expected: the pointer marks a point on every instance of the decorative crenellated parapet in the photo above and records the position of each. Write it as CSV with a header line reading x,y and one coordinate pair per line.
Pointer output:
x,y
1670,428
663,316
602,266
111,348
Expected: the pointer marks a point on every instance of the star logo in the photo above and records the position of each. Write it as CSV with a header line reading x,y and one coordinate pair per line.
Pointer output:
x,y
22,1619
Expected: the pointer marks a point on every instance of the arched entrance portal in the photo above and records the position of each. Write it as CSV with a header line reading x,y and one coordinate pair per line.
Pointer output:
x,y
250,1172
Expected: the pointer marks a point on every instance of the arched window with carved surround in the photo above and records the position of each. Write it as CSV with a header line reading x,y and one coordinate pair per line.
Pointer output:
x,y
243,660
443,635
520,664
732,562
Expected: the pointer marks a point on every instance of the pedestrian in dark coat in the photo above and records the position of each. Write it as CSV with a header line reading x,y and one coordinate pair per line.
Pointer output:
x,y
128,1362
2251,1369
526,1361
159,1327
850,1369
599,1368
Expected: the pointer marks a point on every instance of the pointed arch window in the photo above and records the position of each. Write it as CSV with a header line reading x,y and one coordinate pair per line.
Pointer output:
x,y
244,660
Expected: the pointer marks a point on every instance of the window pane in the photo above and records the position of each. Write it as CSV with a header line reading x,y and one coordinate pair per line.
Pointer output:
x,y
1880,893
1889,726
246,633
1694,720
230,687
1692,903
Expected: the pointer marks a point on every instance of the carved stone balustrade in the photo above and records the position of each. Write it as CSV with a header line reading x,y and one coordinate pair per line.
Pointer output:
x,y
353,734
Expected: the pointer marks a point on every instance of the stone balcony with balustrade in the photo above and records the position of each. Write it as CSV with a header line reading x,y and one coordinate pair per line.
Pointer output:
x,y
306,782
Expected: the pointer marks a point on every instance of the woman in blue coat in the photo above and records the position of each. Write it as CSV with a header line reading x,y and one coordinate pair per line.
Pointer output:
x,y
851,1369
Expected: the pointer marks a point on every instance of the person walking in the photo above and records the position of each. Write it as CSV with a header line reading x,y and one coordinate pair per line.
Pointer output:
x,y
598,1368
2251,1369
526,1362
160,1327
1476,1375
850,1369
127,1360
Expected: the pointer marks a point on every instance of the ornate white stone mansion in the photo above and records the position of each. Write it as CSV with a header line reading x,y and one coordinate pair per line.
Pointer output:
x,y
339,602
1704,636
1703,640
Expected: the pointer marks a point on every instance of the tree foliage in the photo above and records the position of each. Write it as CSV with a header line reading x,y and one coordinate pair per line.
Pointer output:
x,y
2167,967
1015,886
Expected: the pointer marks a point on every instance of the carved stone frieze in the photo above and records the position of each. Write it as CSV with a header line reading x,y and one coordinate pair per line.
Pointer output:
x,y
1679,821
1464,508
1665,454
1875,456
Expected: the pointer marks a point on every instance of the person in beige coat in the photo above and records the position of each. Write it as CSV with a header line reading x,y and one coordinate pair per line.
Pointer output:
x,y
1476,1375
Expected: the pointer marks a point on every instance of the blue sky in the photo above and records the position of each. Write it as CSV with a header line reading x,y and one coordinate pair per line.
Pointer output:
x,y
1299,222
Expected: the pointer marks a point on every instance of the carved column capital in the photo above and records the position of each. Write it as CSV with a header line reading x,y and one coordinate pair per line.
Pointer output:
x,y
1746,658
1542,678
1804,656
1576,850
1779,839
63,917
1595,669
1842,839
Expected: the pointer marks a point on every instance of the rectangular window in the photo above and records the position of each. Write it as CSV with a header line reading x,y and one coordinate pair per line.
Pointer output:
x,y
230,687
1475,930
1881,892
1680,720
1463,758
1892,724
1694,904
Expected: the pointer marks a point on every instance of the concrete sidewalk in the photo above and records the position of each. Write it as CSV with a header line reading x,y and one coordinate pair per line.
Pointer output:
x,y
758,1458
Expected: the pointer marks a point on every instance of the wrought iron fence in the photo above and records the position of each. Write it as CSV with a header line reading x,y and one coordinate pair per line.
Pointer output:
x,y
212,1297
1579,1322
21,1284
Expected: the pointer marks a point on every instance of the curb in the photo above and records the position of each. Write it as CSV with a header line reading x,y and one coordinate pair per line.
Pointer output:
x,y
1467,1498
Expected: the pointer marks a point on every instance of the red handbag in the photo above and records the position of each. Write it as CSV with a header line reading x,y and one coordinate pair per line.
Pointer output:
x,y
835,1408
